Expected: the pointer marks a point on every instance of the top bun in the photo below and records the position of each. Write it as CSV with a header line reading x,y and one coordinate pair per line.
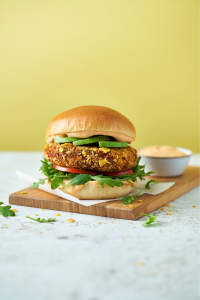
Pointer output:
x,y
86,121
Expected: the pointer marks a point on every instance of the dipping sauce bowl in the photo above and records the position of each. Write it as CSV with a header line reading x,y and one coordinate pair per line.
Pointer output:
x,y
165,166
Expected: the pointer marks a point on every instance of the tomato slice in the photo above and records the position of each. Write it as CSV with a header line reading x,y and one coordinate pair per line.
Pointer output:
x,y
126,172
71,170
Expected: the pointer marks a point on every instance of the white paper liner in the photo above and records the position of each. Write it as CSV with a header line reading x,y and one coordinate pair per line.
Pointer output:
x,y
155,189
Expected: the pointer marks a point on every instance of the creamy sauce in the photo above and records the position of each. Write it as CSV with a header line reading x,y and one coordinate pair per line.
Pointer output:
x,y
161,151
85,134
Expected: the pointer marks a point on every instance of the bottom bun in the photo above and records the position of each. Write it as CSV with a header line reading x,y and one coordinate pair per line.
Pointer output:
x,y
93,191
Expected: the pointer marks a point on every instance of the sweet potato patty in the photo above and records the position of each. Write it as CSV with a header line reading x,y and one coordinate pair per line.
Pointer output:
x,y
90,157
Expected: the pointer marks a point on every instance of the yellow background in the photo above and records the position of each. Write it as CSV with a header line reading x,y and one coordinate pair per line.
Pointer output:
x,y
138,57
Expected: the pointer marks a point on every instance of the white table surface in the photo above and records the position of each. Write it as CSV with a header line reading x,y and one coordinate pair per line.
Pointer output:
x,y
85,260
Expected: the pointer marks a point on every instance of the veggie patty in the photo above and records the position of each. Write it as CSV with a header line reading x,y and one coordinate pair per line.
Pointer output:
x,y
91,157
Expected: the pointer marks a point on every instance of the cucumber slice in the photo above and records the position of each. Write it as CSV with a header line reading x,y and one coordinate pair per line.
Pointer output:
x,y
92,140
112,144
65,140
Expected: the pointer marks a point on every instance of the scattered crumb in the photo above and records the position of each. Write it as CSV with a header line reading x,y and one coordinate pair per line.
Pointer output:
x,y
14,209
35,214
39,232
181,213
99,222
5,226
192,206
131,223
26,216
139,200
130,206
167,205
113,218
24,192
105,219
176,210
71,214
70,220
169,213
47,229
151,191
102,201
42,209
94,221
76,225
111,221
57,215
169,210
162,208
140,264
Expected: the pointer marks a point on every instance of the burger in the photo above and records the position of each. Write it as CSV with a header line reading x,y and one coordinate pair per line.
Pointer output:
x,y
88,154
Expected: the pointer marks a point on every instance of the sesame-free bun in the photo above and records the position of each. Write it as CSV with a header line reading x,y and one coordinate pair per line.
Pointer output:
x,y
86,121
93,191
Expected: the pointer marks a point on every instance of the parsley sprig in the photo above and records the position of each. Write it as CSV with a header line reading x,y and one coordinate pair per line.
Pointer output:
x,y
57,177
6,211
43,220
148,222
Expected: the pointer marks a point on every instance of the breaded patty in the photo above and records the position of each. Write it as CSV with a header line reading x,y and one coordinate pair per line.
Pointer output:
x,y
90,157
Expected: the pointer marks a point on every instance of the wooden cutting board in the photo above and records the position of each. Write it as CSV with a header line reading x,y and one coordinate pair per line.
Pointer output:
x,y
113,209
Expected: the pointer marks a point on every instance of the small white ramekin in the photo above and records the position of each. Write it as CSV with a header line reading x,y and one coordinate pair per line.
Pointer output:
x,y
166,166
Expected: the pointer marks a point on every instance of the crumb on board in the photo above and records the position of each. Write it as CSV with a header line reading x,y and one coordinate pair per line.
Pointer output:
x,y
14,209
176,210
24,192
98,222
130,206
169,210
70,220
35,214
193,205
162,208
111,221
42,209
26,216
105,219
47,229
131,223
169,214
139,200
71,214
167,205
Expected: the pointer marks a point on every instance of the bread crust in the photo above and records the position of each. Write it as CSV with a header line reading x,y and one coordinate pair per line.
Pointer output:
x,y
93,191
91,120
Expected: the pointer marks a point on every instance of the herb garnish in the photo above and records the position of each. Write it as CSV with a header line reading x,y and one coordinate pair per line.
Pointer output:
x,y
57,177
43,220
6,211
128,199
151,181
151,219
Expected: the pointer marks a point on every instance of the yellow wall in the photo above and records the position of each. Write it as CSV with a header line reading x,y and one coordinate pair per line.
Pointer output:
x,y
139,57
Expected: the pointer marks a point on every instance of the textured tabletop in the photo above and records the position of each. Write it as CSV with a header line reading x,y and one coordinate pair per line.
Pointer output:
x,y
96,258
